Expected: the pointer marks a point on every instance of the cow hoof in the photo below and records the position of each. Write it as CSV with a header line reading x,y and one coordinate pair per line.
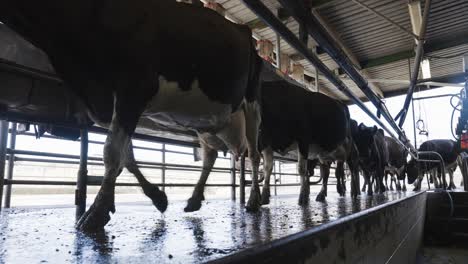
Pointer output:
x,y
363,189
265,197
391,189
158,197
253,205
370,193
193,205
416,189
452,186
96,217
320,197
304,200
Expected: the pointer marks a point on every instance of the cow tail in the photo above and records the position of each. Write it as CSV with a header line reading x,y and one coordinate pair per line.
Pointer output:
x,y
253,86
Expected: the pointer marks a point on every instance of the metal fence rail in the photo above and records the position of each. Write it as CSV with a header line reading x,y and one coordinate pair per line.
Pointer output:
x,y
14,155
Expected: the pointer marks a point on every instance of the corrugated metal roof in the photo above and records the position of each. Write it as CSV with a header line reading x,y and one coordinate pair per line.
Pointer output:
x,y
369,36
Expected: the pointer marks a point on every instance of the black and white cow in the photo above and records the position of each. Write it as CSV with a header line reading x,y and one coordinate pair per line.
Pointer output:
x,y
448,149
397,160
178,65
373,155
313,124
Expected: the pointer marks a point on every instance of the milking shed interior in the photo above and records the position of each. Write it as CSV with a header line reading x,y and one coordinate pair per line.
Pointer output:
x,y
354,51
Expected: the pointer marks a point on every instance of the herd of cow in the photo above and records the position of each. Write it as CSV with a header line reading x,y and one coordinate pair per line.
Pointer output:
x,y
185,67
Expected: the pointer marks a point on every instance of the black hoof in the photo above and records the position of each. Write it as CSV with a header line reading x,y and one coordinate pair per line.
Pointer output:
x,y
192,205
253,205
158,197
320,197
265,197
95,219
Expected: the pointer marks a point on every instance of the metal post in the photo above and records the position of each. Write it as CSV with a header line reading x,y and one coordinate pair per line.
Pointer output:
x,y
414,126
278,48
82,179
242,181
11,164
274,175
279,171
417,63
3,146
163,169
233,178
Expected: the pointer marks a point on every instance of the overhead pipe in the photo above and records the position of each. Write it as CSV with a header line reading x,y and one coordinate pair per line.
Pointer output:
x,y
417,63
269,18
326,42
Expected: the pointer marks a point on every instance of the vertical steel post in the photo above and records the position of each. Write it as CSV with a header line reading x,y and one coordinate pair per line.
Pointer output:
x,y
163,170
279,172
11,164
82,178
233,178
414,126
242,181
274,175
3,149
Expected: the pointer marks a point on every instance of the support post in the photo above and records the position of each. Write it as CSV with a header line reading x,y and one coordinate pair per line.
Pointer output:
x,y
274,175
242,181
163,169
11,164
233,178
3,148
82,179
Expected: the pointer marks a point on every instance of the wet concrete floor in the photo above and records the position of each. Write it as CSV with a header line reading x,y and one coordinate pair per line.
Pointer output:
x,y
138,233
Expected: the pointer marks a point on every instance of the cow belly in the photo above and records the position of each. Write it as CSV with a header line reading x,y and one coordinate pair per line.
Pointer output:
x,y
190,109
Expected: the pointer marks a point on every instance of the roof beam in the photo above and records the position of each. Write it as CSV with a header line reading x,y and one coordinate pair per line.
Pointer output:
x,y
259,24
429,47
346,50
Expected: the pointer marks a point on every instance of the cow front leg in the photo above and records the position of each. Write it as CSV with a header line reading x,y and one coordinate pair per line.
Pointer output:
x,y
209,156
267,170
115,149
353,166
339,172
252,121
152,191
404,186
325,172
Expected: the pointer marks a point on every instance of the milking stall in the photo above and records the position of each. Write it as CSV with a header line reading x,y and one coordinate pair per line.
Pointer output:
x,y
193,131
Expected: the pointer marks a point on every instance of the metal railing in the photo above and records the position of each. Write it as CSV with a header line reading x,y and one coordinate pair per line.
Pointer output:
x,y
13,155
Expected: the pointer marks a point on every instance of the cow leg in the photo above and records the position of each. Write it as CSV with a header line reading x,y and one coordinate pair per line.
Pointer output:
x,y
353,166
366,182
253,119
391,181
267,169
397,182
339,173
367,178
115,149
209,156
404,186
325,172
417,184
452,184
152,191
386,181
305,186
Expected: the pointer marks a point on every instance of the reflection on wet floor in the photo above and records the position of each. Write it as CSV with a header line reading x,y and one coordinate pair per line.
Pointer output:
x,y
140,234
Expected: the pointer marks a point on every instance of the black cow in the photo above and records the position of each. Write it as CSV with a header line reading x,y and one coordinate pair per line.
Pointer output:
x,y
178,65
373,154
397,160
448,149
314,124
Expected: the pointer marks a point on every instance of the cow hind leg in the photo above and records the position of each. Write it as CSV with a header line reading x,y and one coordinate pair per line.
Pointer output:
x,y
305,186
268,168
115,150
325,172
252,122
209,156
452,184
340,176
152,191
